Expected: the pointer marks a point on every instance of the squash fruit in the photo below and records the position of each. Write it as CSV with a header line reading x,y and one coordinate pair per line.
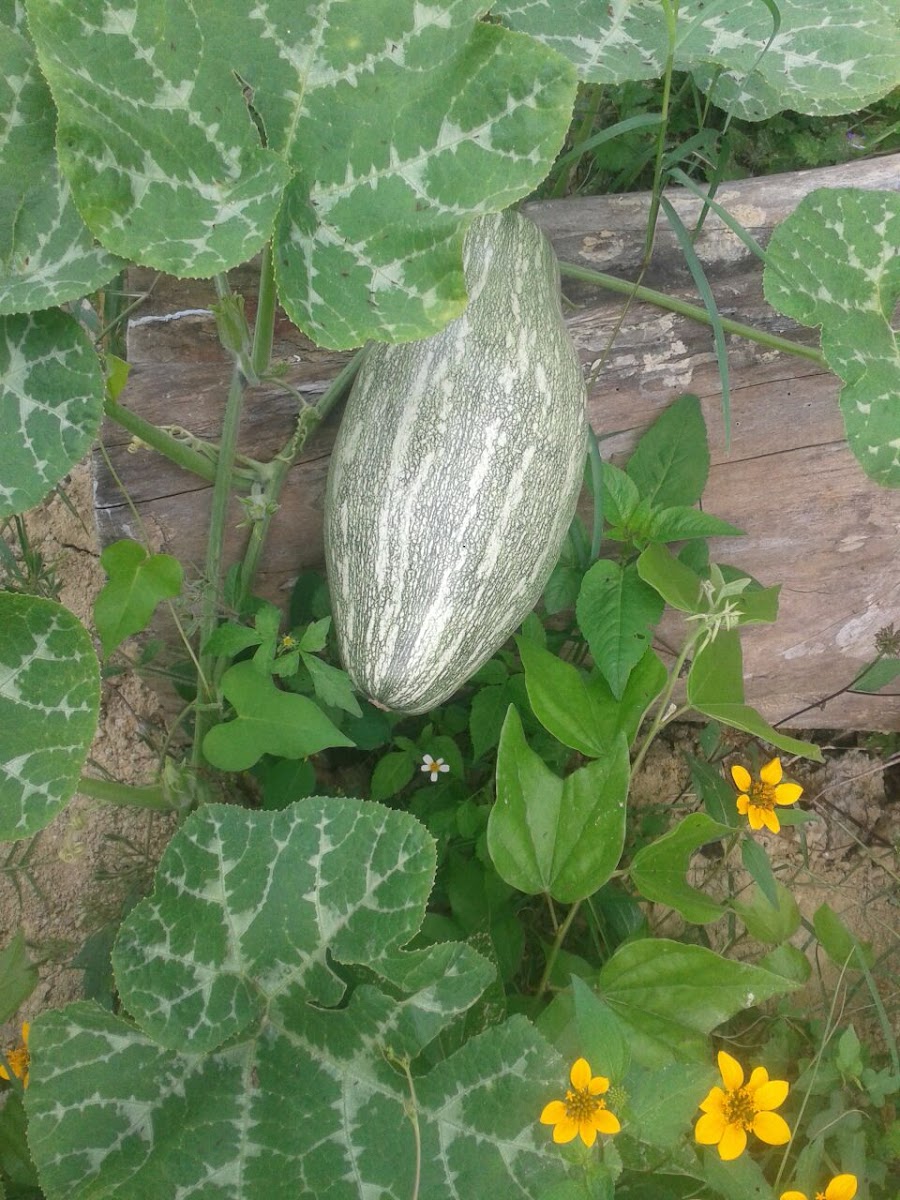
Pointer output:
x,y
455,476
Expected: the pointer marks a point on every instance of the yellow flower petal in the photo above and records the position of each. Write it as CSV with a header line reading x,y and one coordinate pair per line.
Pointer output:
x,y
732,1071
792,1196
742,778
580,1074
606,1122
26,1029
788,793
743,803
553,1112
771,773
564,1131
588,1132
598,1085
771,1095
755,816
714,1102
733,1143
4,1074
758,1076
842,1187
709,1129
771,1128
770,820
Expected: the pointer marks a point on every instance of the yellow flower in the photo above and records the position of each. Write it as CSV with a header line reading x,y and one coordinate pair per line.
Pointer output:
x,y
758,799
19,1058
842,1187
728,1114
583,1111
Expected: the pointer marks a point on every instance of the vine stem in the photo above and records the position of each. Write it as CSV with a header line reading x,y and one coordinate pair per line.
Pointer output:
x,y
660,715
264,326
670,9
555,949
650,296
214,548
110,792
308,418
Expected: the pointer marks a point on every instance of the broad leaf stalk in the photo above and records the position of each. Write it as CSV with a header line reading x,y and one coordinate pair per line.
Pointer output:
x,y
271,952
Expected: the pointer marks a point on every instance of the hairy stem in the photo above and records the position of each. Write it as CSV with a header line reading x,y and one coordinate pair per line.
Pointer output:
x,y
650,296
110,792
264,326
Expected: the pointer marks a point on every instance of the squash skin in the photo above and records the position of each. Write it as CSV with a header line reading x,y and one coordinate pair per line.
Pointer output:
x,y
455,476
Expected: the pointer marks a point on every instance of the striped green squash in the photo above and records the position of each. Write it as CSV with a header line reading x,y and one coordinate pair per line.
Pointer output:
x,y
454,477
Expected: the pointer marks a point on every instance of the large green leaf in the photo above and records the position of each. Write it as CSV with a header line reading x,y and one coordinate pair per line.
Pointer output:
x,y
385,126
47,255
561,836
833,262
827,56
49,700
670,463
672,995
51,403
253,1070
616,612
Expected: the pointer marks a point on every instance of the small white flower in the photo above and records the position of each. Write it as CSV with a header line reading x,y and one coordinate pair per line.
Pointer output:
x,y
433,766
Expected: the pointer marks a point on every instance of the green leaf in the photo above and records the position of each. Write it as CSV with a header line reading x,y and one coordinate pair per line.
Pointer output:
x,y
285,780
16,1166
267,721
663,1104
567,705
620,496
658,870
246,1036
332,685
717,795
18,976
770,923
137,583
562,836
229,639
445,119
878,675
741,1179
788,961
562,587
715,686
833,263
811,65
49,700
602,1039
488,711
392,773
757,605
51,402
670,463
583,713
838,942
47,256
671,995
679,522
676,583
756,863
172,175
315,636
616,611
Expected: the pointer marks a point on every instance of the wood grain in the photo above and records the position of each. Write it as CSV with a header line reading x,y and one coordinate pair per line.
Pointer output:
x,y
813,520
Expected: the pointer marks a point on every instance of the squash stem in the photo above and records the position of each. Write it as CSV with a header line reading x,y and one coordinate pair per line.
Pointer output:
x,y
308,418
151,796
672,304
214,553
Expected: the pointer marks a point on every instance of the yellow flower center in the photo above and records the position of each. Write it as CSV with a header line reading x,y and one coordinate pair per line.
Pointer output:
x,y
762,795
581,1105
820,1196
739,1108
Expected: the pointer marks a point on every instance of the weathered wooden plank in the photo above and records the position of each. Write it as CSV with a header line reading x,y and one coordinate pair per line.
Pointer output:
x,y
813,520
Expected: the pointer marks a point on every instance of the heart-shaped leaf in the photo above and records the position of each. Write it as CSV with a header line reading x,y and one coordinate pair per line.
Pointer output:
x,y
138,582
247,1038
